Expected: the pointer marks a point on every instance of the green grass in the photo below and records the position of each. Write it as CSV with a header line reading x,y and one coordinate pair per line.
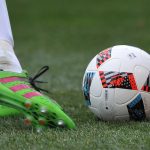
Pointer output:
x,y
65,35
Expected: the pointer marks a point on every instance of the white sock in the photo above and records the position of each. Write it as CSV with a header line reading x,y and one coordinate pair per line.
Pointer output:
x,y
5,28
8,59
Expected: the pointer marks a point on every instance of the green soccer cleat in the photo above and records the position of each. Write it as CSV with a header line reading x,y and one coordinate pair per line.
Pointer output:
x,y
8,111
20,93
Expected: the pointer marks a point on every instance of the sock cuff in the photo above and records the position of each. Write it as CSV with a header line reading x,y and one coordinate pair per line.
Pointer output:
x,y
8,59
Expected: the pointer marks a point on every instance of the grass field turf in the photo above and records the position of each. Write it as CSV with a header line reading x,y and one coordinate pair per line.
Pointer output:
x,y
65,35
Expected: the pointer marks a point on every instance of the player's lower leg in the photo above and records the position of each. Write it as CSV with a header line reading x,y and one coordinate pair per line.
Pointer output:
x,y
20,92
8,59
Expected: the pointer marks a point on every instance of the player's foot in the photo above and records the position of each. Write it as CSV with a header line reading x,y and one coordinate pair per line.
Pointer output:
x,y
20,92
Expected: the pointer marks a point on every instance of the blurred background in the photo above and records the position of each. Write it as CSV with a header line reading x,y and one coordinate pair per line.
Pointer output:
x,y
66,34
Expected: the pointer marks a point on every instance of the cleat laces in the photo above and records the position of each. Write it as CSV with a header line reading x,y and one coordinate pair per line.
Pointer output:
x,y
33,80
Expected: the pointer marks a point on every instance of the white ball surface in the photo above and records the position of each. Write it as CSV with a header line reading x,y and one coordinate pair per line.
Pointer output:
x,y
116,84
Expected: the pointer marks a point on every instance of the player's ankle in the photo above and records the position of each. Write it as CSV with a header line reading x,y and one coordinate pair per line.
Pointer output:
x,y
8,59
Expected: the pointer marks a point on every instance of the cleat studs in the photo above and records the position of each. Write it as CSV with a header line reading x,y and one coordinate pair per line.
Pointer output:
x,y
61,123
42,122
43,110
27,121
39,130
28,104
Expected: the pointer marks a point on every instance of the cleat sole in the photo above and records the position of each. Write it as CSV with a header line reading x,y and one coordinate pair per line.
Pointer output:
x,y
50,111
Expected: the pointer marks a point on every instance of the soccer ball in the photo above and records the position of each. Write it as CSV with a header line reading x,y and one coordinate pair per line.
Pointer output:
x,y
116,84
